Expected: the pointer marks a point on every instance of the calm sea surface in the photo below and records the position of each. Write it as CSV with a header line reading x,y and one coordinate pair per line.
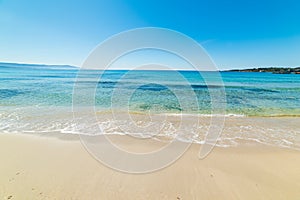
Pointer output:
x,y
250,94
39,98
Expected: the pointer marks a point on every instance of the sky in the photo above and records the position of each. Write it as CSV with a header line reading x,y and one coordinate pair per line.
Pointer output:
x,y
236,34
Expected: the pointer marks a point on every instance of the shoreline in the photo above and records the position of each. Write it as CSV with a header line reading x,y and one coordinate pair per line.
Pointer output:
x,y
35,167
271,131
75,137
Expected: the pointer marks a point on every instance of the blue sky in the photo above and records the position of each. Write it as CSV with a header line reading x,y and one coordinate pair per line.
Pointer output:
x,y
236,34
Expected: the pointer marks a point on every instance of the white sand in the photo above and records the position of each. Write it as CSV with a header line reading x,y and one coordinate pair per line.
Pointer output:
x,y
35,167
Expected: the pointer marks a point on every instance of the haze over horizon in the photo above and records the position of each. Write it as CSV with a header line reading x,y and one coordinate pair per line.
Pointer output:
x,y
235,34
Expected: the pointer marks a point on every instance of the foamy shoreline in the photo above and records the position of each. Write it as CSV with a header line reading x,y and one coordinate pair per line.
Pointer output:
x,y
272,131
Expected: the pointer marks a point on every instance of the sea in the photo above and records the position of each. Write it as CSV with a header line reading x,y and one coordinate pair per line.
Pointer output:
x,y
257,107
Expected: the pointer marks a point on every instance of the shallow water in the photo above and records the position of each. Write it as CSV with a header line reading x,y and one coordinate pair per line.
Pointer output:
x,y
250,94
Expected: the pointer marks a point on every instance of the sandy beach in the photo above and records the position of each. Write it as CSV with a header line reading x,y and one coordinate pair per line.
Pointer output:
x,y
38,167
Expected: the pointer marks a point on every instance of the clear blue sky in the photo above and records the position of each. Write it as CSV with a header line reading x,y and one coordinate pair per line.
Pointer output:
x,y
235,33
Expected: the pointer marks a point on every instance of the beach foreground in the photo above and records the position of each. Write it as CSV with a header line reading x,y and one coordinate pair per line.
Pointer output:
x,y
36,167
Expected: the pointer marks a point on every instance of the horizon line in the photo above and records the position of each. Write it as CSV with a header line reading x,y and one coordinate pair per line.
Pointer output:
x,y
234,68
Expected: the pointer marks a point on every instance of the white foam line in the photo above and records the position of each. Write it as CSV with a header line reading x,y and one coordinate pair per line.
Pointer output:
x,y
204,115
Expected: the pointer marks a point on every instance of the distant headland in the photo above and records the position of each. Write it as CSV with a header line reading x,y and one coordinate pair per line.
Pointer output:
x,y
274,70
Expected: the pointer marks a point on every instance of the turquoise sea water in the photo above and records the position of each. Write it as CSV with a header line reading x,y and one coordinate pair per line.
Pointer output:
x,y
249,94
38,99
